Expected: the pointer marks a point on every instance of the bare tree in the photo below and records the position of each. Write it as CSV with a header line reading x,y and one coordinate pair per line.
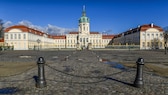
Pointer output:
x,y
165,41
1,29
155,43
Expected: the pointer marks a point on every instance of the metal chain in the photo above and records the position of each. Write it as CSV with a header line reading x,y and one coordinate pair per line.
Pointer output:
x,y
79,82
83,76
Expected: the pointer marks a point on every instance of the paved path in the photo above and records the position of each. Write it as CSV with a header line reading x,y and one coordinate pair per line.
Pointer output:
x,y
81,73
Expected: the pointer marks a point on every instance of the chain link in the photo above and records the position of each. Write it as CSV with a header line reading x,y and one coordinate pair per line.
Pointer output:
x,y
86,76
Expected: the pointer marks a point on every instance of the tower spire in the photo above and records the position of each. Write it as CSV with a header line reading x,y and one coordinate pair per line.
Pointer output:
x,y
84,8
84,11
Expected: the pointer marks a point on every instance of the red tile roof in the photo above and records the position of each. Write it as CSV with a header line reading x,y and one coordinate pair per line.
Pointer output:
x,y
108,36
94,32
27,29
59,37
73,32
147,26
141,28
21,27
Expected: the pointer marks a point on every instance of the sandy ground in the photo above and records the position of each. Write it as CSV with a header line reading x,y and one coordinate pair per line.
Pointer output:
x,y
13,68
157,69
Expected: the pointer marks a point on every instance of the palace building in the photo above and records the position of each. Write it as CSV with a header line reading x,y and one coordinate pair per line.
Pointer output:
x,y
24,38
147,36
21,37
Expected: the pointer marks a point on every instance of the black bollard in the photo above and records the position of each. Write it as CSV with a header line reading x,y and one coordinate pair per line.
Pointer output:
x,y
41,82
139,75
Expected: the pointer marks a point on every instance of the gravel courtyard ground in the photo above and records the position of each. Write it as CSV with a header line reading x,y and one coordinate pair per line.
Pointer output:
x,y
83,72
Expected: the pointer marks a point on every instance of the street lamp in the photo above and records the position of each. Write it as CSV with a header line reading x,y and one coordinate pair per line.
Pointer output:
x,y
38,41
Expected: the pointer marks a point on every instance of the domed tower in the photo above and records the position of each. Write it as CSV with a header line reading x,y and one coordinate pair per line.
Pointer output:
x,y
84,26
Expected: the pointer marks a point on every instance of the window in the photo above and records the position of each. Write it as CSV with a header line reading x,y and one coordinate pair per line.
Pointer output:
x,y
24,36
160,44
86,39
11,36
143,44
6,36
148,44
148,35
80,39
161,35
152,35
15,36
143,36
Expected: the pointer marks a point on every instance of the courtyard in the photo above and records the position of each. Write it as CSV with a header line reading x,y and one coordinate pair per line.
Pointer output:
x,y
71,72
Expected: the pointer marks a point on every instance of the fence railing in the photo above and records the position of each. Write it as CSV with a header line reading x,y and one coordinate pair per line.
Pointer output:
x,y
123,46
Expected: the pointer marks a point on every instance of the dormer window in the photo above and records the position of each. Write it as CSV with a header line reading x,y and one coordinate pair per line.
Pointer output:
x,y
83,19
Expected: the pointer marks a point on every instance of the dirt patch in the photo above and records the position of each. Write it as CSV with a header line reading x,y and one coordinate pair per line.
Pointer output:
x,y
158,69
163,71
13,68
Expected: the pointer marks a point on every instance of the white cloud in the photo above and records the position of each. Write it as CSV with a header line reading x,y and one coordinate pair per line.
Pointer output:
x,y
57,30
25,22
7,24
51,29
29,24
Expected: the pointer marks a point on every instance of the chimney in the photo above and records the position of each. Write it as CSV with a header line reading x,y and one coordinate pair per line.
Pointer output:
x,y
151,24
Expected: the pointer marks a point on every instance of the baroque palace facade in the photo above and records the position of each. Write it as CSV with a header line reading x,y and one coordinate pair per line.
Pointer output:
x,y
147,36
25,38
21,37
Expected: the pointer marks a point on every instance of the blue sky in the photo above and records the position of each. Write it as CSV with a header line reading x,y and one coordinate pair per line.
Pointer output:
x,y
115,16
